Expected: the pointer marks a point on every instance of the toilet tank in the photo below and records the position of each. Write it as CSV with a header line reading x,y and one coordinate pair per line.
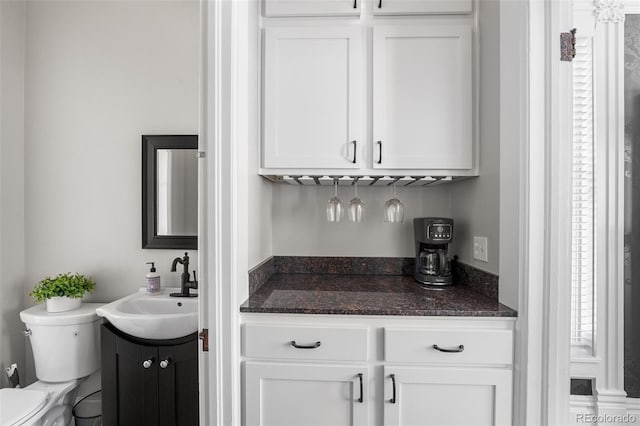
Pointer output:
x,y
65,345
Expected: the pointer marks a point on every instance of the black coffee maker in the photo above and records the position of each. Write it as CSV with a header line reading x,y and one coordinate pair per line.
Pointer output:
x,y
433,235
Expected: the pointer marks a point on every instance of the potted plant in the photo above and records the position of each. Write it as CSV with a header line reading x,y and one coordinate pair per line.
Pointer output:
x,y
62,293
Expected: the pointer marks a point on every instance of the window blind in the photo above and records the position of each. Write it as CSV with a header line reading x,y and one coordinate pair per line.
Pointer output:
x,y
583,209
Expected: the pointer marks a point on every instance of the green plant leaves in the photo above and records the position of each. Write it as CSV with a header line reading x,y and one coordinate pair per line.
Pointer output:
x,y
73,286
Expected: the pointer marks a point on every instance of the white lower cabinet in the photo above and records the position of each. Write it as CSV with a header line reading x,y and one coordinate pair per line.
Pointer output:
x,y
287,394
334,371
447,396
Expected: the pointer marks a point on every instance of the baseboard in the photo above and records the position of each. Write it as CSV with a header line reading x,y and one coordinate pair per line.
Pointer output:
x,y
583,410
633,406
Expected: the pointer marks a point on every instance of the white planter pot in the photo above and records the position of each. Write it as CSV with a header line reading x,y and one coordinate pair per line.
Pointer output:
x,y
63,304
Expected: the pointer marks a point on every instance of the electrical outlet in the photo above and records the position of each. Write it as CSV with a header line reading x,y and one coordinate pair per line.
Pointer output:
x,y
480,249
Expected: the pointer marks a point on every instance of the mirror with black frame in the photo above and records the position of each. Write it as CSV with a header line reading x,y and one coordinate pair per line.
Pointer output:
x,y
169,192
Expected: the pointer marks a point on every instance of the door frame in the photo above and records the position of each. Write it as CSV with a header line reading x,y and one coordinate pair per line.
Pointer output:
x,y
542,349
217,219
534,231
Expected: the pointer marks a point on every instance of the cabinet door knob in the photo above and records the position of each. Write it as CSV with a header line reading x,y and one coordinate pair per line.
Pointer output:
x,y
147,363
453,350
165,363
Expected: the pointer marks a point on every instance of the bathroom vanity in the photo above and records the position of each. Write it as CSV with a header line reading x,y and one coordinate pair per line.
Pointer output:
x,y
148,382
150,360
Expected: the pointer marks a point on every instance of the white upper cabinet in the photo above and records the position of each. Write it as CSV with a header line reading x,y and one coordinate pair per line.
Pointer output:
x,y
421,7
311,7
422,97
311,103
369,96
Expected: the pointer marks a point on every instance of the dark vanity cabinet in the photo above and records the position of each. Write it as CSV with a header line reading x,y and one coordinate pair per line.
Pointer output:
x,y
148,382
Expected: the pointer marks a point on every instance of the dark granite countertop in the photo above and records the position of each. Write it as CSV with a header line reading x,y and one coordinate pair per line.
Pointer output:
x,y
347,294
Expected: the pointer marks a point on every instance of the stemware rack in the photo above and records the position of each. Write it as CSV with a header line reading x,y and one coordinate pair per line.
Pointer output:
x,y
326,180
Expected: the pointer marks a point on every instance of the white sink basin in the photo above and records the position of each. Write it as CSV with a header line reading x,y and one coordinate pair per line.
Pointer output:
x,y
153,317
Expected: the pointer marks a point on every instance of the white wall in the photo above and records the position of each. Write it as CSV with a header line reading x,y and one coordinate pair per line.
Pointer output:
x,y
12,225
300,226
100,74
475,203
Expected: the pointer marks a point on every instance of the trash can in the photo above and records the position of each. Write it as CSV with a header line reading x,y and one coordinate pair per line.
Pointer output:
x,y
88,411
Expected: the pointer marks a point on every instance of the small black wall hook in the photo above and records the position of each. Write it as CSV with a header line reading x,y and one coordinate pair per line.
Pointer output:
x,y
568,45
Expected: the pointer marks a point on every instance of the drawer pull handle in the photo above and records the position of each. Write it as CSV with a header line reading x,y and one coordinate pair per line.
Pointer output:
x,y
393,383
355,149
380,142
455,350
360,400
312,346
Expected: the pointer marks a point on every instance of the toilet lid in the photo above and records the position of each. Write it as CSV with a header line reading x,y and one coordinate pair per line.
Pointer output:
x,y
17,405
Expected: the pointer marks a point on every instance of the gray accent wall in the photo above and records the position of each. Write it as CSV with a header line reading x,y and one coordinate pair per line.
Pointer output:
x,y
260,191
475,203
513,75
300,227
12,223
98,75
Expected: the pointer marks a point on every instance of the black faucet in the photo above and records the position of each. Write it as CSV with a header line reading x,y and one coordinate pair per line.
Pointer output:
x,y
185,279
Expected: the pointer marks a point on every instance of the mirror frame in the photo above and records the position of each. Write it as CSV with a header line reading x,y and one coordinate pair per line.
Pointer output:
x,y
150,237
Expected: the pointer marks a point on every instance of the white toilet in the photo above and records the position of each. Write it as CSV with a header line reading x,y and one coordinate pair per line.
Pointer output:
x,y
66,349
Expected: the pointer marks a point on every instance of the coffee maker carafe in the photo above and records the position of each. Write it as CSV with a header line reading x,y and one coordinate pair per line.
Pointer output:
x,y
433,235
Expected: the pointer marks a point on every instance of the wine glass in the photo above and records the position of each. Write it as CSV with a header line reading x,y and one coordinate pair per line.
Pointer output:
x,y
356,206
393,208
335,208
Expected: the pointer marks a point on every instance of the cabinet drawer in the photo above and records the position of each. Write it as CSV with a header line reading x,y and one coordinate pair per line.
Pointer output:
x,y
313,343
479,346
421,7
311,7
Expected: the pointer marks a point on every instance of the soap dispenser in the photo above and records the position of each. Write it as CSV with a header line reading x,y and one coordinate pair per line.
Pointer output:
x,y
153,280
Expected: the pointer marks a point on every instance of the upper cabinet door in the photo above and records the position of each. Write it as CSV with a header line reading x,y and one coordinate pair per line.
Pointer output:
x,y
423,97
421,7
311,7
312,79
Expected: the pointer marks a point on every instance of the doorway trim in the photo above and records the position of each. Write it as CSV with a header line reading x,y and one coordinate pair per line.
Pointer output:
x,y
542,340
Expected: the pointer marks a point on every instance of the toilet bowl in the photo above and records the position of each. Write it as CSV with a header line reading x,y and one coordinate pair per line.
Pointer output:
x,y
66,350
41,403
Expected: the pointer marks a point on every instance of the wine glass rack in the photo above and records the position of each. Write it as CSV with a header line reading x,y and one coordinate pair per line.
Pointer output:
x,y
327,180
